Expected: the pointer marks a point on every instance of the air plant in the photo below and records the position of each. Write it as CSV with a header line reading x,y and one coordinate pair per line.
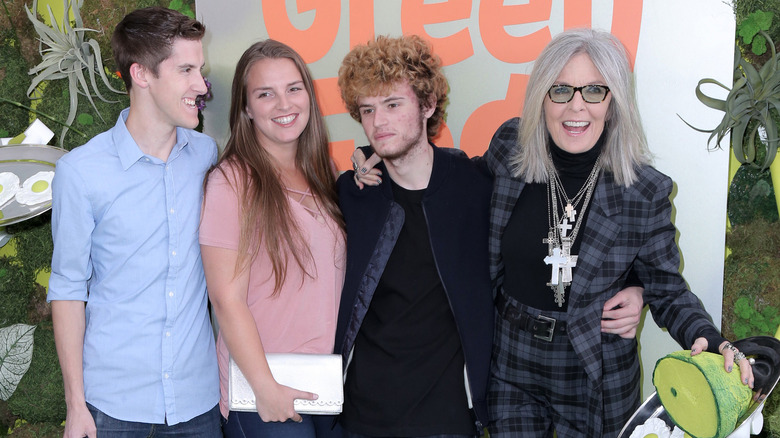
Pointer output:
x,y
66,54
752,107
748,108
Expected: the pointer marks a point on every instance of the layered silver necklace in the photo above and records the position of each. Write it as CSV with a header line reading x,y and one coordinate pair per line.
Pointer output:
x,y
558,242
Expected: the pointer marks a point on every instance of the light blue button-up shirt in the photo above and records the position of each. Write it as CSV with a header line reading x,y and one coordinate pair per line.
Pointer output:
x,y
125,229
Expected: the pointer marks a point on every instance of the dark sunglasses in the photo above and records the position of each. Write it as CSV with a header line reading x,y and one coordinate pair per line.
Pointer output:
x,y
590,93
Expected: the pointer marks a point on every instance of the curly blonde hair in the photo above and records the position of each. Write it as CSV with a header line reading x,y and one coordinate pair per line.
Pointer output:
x,y
374,68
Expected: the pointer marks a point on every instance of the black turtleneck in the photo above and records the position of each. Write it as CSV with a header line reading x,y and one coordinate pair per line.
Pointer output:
x,y
522,247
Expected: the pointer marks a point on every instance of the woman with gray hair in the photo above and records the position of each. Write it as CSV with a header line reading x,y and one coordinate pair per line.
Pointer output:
x,y
577,207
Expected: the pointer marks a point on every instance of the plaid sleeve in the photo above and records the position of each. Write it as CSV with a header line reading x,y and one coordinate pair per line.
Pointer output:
x,y
672,305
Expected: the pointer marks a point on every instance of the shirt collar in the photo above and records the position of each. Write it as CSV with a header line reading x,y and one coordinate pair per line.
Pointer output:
x,y
128,150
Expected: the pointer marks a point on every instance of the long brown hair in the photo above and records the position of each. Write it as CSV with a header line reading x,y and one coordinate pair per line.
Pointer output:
x,y
264,209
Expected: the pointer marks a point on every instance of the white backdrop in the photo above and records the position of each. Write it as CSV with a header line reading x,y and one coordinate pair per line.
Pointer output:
x,y
679,42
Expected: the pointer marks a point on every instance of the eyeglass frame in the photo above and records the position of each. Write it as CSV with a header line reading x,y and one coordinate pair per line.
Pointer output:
x,y
575,90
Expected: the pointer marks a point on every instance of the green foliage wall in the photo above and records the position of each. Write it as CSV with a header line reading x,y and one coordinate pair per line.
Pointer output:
x,y
751,304
743,8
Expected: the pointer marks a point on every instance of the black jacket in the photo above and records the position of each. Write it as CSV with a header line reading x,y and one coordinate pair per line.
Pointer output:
x,y
456,205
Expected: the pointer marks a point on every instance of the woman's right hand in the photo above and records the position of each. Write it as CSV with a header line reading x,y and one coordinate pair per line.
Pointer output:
x,y
275,402
365,171
731,356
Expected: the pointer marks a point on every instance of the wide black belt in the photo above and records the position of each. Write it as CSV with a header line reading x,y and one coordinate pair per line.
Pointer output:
x,y
542,327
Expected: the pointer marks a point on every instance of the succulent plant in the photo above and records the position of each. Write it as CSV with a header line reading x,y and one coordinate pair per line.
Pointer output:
x,y
750,109
67,54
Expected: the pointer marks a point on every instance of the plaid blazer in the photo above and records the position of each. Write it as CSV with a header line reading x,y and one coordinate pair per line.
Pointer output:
x,y
626,226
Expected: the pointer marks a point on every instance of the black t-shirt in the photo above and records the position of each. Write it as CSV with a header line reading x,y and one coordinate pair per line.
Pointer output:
x,y
406,375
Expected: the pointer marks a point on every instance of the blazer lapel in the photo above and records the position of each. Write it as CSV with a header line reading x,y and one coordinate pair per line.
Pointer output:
x,y
599,236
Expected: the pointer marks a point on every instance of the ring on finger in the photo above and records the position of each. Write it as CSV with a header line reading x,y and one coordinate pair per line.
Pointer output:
x,y
354,166
738,356
729,346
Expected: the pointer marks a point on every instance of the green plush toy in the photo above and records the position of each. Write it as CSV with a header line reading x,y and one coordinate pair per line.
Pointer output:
x,y
699,395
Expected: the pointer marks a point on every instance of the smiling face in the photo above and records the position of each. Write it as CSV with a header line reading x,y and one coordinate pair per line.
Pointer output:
x,y
177,84
575,126
277,102
394,123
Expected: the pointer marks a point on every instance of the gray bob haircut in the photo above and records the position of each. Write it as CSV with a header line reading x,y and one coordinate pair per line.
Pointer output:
x,y
625,144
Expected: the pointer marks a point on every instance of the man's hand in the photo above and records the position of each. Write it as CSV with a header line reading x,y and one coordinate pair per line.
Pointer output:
x,y
79,423
622,312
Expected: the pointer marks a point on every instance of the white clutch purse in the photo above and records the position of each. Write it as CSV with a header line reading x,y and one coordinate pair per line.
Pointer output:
x,y
317,373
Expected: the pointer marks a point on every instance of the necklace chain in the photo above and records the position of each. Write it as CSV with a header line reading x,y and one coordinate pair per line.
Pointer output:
x,y
558,243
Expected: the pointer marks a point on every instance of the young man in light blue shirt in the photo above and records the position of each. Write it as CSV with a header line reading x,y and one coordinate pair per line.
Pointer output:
x,y
140,355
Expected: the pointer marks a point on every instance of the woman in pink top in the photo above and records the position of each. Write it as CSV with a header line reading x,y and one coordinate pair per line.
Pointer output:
x,y
272,236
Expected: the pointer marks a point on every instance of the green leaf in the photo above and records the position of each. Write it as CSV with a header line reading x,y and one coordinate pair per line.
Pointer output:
x,y
85,119
751,74
744,153
741,330
761,190
770,312
764,19
753,23
711,102
16,348
759,45
742,308
747,30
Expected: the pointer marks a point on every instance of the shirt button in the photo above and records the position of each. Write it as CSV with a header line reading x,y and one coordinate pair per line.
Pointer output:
x,y
168,334
166,375
173,253
170,294
171,211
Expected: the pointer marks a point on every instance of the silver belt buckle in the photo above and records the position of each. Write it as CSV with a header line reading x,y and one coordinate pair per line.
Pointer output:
x,y
550,330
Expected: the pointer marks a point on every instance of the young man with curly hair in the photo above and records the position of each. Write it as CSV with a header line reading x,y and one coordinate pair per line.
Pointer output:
x,y
415,324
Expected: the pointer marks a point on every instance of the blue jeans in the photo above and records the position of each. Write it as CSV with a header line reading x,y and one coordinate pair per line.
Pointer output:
x,y
203,426
250,425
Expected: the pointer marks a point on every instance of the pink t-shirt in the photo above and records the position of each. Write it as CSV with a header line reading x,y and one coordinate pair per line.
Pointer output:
x,y
302,317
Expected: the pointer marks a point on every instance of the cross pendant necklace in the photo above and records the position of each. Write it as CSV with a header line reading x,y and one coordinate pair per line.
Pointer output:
x,y
571,213
559,241
561,261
